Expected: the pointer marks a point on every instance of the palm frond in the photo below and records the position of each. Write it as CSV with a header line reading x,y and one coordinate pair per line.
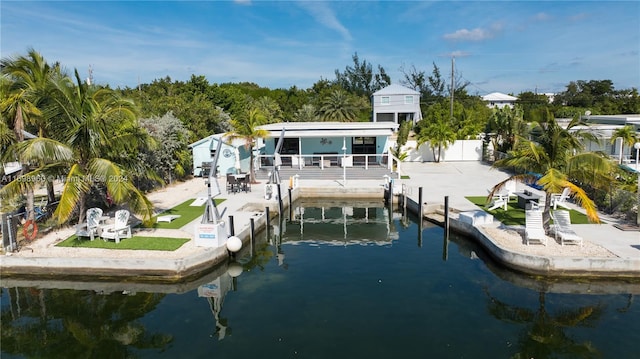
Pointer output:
x,y
76,185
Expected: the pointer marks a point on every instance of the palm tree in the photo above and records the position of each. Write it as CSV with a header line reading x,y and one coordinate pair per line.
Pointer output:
x,y
306,113
246,128
507,124
28,91
557,155
97,127
338,106
439,134
628,136
269,107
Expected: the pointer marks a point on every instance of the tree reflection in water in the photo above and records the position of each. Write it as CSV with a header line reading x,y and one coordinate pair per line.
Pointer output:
x,y
76,324
545,337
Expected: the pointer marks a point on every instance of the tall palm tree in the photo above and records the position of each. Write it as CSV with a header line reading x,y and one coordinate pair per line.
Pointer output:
x,y
557,154
246,127
338,106
28,92
93,125
440,136
628,136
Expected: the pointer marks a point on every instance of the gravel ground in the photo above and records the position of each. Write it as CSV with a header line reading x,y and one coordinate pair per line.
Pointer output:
x,y
513,240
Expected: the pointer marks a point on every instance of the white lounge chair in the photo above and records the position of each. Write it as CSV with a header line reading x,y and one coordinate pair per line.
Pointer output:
x,y
119,229
534,228
562,228
499,200
560,199
167,217
91,225
510,187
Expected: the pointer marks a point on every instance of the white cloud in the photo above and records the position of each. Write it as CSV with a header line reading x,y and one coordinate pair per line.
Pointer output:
x,y
541,16
477,34
321,12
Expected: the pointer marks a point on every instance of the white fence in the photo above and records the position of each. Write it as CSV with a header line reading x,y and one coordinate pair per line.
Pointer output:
x,y
461,150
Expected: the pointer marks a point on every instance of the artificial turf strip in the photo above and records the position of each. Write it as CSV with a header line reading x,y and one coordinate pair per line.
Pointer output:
x,y
186,212
133,243
515,215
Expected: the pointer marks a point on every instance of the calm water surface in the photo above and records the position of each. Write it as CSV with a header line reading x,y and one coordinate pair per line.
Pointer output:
x,y
335,282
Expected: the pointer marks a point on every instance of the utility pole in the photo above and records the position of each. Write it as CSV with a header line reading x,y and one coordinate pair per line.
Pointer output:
x,y
90,78
452,86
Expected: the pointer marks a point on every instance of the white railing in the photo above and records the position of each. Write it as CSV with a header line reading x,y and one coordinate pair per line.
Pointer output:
x,y
324,160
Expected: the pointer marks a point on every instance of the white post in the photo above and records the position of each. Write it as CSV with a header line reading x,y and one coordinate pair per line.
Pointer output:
x,y
637,147
344,163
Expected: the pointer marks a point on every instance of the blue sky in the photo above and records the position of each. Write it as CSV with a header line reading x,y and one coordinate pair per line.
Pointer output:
x,y
502,46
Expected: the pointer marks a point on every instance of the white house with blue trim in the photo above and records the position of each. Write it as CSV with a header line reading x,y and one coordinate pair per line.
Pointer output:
x,y
228,161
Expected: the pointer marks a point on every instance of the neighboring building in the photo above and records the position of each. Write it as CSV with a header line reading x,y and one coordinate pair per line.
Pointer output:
x,y
234,156
499,100
396,104
603,126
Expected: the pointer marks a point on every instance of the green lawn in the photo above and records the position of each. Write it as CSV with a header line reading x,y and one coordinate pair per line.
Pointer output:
x,y
514,215
186,212
135,242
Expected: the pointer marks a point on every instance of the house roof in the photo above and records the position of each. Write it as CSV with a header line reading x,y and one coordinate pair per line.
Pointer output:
x,y
498,96
324,129
396,90
234,143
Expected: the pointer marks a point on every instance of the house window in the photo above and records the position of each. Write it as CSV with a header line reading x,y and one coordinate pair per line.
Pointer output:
x,y
408,100
384,100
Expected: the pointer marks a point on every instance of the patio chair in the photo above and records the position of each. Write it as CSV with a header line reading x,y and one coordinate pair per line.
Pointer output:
x,y
232,183
560,199
534,229
499,200
91,225
119,229
562,228
245,183
510,188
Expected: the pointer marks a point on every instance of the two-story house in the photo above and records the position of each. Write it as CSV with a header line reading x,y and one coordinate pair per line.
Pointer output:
x,y
396,104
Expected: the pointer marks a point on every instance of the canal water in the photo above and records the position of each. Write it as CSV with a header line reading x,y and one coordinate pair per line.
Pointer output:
x,y
333,280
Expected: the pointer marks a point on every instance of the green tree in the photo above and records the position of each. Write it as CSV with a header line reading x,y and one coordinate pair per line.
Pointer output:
x,y
246,128
432,88
170,158
508,126
557,154
440,136
306,113
628,136
97,126
28,93
269,108
338,106
360,78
